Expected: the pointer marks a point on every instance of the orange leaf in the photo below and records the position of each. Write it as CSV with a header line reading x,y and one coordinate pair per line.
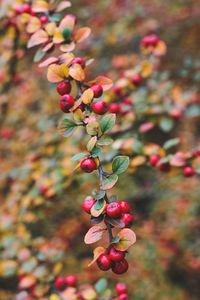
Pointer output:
x,y
39,37
105,82
94,234
82,34
33,25
57,73
77,72
87,96
96,213
96,253
127,239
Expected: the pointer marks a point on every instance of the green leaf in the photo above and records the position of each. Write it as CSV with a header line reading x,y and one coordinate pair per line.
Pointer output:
x,y
105,141
113,198
138,147
96,152
99,204
39,55
66,127
91,144
67,34
78,156
109,182
101,285
107,122
120,164
100,195
171,143
166,124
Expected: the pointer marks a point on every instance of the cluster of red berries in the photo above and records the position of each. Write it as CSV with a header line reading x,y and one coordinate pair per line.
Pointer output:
x,y
121,290
63,282
116,210
113,259
188,171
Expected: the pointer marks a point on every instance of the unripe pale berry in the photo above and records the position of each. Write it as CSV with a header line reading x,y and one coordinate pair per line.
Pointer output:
x,y
188,171
66,102
97,90
114,108
60,283
154,159
104,262
63,88
121,288
88,165
113,210
125,207
120,267
99,107
127,219
87,204
78,60
116,255
70,280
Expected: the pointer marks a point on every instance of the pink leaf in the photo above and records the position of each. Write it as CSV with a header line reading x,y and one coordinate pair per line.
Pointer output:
x,y
104,81
94,234
82,34
39,37
63,5
127,238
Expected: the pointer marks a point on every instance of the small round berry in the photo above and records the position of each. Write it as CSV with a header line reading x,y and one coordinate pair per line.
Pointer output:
x,y
97,90
88,165
120,267
116,255
163,167
154,159
70,280
26,8
63,88
150,40
188,171
136,79
125,207
121,288
78,60
113,210
104,262
44,19
128,101
87,204
127,219
176,114
99,107
123,297
66,102
114,108
60,283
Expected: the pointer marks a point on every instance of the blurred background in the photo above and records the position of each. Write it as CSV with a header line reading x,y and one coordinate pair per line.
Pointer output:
x,y
42,225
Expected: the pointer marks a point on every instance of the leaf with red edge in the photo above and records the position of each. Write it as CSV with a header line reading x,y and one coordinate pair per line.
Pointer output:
x,y
39,37
82,34
94,234
67,22
27,282
48,62
96,253
127,239
63,5
77,72
104,81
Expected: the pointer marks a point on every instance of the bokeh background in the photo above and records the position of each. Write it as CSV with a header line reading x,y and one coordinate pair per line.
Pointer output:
x,y
42,225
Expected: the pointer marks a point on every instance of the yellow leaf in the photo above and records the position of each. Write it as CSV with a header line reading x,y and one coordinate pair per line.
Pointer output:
x,y
87,96
147,69
137,161
78,115
33,25
50,28
77,72
57,37
57,73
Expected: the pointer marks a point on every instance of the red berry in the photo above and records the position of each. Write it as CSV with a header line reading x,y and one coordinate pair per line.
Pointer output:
x,y
26,8
66,102
176,114
127,101
71,280
63,88
78,60
104,262
87,204
150,40
116,255
44,19
121,288
60,283
114,108
88,165
136,79
163,167
188,171
125,207
127,219
99,107
123,297
120,267
154,159
97,90
113,210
